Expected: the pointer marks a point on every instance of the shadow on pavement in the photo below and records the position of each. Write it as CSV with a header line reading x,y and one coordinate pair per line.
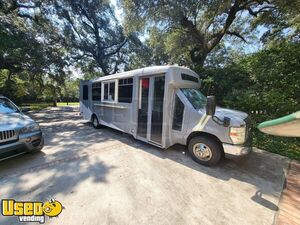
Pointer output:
x,y
65,161
258,198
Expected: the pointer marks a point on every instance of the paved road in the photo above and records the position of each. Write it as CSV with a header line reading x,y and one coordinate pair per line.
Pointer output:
x,y
105,177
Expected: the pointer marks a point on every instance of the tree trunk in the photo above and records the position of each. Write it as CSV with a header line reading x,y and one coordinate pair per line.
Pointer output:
x,y
55,103
198,56
9,76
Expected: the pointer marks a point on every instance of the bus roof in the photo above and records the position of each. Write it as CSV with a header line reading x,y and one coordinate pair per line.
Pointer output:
x,y
142,71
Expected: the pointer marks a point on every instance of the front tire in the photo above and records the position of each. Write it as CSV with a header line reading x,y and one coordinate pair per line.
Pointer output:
x,y
95,122
205,151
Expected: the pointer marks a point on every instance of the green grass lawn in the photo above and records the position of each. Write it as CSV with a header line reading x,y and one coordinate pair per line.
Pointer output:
x,y
42,105
37,106
69,104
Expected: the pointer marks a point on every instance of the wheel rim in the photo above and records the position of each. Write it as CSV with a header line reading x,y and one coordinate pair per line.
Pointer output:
x,y
95,122
202,152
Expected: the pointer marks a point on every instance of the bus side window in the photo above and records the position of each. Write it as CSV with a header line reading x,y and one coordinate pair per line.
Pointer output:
x,y
125,90
105,91
109,91
111,96
96,91
85,94
178,114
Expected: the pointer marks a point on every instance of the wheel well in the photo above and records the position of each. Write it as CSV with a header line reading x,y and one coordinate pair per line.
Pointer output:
x,y
204,134
93,115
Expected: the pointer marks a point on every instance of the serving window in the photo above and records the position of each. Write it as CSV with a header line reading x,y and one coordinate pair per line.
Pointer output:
x,y
109,91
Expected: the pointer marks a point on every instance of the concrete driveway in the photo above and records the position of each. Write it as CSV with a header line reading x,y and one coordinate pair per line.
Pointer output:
x,y
106,177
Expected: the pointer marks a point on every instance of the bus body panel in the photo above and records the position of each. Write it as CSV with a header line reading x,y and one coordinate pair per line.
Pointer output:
x,y
85,107
125,116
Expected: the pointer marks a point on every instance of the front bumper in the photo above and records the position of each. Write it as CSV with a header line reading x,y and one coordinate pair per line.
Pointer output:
x,y
29,142
236,150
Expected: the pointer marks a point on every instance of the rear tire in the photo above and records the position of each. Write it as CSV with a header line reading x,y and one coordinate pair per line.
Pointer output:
x,y
205,150
95,122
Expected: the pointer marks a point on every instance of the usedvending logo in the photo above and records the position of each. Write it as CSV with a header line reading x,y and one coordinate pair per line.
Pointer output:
x,y
31,211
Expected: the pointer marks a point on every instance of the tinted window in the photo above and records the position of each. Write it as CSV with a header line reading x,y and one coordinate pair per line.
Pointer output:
x,y
158,96
85,92
96,91
7,107
106,91
125,90
178,114
157,109
111,92
189,77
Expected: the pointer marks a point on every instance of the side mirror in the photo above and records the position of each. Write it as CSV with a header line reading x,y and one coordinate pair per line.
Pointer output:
x,y
25,109
211,105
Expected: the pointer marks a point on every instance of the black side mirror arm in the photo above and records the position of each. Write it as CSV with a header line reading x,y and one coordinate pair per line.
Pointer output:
x,y
225,122
211,109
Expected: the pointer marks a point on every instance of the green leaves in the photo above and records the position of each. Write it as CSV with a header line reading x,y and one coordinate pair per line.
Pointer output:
x,y
192,29
91,32
267,82
276,72
266,85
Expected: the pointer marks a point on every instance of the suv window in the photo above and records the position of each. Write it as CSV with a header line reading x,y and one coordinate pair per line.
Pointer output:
x,y
6,106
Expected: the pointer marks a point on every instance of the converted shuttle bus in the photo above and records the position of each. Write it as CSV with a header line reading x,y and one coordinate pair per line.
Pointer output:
x,y
163,106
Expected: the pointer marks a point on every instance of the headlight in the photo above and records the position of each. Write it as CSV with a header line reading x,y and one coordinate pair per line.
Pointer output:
x,y
237,135
30,128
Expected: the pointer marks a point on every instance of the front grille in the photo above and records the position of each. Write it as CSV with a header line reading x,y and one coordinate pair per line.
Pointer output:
x,y
7,135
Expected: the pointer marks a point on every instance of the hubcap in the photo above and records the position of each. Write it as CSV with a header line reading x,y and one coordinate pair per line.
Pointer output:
x,y
202,151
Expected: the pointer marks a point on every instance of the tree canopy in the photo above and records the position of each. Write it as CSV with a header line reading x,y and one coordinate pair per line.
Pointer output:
x,y
90,30
245,51
191,29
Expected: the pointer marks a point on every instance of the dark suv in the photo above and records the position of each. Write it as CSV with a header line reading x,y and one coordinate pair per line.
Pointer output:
x,y
18,132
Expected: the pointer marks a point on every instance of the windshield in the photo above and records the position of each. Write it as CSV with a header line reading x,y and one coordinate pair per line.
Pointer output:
x,y
7,106
196,98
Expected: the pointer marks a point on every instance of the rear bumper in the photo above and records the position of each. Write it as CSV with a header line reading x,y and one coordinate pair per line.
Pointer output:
x,y
29,142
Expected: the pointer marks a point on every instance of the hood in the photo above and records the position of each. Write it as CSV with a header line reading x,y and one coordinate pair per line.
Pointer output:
x,y
237,118
14,121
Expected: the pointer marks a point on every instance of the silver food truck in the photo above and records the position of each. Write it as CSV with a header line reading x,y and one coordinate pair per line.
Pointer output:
x,y
163,106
